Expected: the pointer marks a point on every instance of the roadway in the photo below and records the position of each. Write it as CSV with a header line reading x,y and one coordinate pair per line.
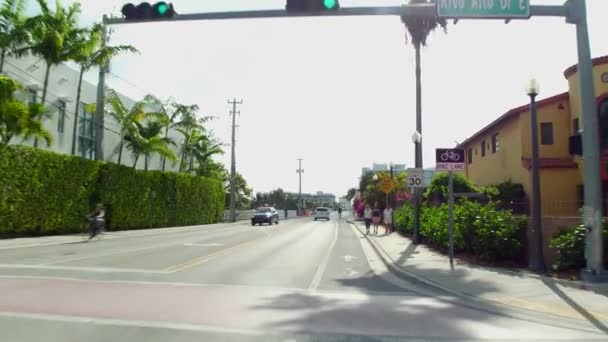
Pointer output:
x,y
300,280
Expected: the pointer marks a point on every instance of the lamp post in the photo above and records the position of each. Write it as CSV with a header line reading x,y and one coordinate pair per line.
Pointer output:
x,y
537,262
376,190
417,140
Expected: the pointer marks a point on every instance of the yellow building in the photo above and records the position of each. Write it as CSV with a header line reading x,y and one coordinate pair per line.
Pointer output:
x,y
501,151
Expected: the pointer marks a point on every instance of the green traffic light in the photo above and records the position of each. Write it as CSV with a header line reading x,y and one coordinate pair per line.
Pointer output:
x,y
162,9
329,4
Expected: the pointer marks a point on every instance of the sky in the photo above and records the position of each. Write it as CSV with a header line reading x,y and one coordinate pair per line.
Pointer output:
x,y
340,92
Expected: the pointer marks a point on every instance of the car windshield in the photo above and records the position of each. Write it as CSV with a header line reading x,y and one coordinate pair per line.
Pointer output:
x,y
263,210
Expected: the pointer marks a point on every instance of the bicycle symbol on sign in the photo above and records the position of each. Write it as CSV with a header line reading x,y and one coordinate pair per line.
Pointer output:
x,y
450,155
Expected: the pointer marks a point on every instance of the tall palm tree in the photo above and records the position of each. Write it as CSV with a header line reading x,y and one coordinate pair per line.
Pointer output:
x,y
200,147
88,51
127,118
51,36
417,32
13,32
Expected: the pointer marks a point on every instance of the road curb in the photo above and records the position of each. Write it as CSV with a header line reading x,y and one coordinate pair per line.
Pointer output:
x,y
487,304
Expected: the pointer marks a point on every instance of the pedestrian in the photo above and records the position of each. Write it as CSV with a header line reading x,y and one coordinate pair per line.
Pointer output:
x,y
388,220
96,221
367,214
376,217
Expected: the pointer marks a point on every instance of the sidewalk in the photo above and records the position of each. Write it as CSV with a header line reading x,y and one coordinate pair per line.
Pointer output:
x,y
521,289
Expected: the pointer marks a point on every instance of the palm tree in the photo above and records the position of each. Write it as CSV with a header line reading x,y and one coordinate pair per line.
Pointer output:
x,y
418,30
147,141
88,51
12,30
18,118
127,118
198,146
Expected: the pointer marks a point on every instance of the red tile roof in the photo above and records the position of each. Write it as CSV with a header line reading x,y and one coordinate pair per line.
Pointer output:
x,y
550,163
513,113
595,62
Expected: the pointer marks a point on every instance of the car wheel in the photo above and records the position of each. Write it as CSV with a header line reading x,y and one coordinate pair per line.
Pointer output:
x,y
277,221
253,223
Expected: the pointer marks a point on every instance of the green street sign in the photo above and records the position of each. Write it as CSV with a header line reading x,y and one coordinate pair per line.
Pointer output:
x,y
478,9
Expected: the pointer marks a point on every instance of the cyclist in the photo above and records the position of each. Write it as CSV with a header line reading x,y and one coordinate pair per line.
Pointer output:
x,y
339,212
96,221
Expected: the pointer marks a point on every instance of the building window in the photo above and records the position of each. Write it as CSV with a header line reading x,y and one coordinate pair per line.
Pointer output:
x,y
483,148
32,95
61,105
575,126
470,155
86,133
495,143
546,133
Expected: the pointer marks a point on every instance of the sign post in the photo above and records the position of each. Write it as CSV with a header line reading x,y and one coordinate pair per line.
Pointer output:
x,y
450,159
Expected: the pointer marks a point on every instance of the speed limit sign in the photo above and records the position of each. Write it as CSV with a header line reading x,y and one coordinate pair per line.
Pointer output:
x,y
414,178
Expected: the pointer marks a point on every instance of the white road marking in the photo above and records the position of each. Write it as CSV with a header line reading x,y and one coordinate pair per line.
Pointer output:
x,y
133,323
84,269
203,244
350,272
316,280
348,258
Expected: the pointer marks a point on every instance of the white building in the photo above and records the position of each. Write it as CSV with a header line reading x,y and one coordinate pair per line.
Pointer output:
x,y
377,167
61,102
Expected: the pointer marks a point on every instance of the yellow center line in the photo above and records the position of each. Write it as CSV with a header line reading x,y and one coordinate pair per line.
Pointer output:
x,y
208,257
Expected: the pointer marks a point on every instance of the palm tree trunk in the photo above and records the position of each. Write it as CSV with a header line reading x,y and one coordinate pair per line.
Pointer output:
x,y
146,162
44,89
2,57
122,142
166,136
183,160
135,163
78,93
191,162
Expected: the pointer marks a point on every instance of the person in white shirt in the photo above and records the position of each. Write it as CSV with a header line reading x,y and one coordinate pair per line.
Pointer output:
x,y
388,220
367,214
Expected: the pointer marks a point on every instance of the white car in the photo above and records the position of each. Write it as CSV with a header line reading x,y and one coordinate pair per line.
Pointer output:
x,y
322,213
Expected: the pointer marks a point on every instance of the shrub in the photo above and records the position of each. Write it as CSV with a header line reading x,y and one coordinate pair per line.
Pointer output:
x,y
483,230
404,218
570,244
439,186
43,193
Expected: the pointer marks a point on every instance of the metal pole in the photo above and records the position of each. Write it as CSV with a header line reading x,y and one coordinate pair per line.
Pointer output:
x,y
451,215
591,153
537,262
99,106
300,204
234,112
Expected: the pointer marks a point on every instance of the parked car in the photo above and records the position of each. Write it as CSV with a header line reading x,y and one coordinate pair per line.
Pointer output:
x,y
265,215
322,213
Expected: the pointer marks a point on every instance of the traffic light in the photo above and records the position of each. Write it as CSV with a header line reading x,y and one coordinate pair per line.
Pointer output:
x,y
146,11
312,5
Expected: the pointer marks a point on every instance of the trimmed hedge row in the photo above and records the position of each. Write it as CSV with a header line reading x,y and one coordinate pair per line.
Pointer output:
x,y
44,193
489,233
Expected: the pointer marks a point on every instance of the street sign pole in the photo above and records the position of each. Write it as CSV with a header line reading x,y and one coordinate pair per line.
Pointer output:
x,y
451,215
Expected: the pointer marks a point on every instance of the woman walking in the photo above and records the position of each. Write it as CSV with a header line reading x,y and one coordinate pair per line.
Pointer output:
x,y
388,220
367,215
376,217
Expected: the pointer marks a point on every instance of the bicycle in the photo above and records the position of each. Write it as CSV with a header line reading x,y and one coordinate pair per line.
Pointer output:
x,y
450,155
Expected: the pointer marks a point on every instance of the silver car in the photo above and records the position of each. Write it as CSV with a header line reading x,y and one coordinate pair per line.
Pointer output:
x,y
322,213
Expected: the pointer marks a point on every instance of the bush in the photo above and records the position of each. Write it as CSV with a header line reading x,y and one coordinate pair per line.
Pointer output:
x,y
404,218
489,233
43,193
570,244
439,186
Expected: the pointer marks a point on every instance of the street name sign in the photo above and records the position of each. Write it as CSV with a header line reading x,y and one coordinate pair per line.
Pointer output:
x,y
480,9
415,178
449,159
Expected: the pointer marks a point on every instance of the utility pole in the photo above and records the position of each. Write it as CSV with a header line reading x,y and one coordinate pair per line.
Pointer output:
x,y
233,112
300,171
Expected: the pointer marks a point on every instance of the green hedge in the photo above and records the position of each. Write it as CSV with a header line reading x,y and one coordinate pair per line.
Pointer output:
x,y
43,193
570,244
484,230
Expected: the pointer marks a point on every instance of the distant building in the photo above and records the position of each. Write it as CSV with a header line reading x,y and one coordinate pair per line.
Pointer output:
x,y
377,167
321,198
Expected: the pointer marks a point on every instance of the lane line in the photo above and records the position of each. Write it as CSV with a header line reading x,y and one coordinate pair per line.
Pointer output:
x,y
133,323
316,280
197,261
84,269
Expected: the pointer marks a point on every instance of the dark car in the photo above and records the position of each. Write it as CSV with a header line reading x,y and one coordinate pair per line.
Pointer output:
x,y
265,215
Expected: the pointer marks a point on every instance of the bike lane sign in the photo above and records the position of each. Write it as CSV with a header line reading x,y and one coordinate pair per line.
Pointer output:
x,y
449,159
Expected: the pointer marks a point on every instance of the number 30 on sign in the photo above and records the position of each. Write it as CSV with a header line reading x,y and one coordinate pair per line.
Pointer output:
x,y
414,178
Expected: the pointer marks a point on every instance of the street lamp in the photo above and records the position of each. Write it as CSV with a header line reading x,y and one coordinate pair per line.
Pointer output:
x,y
376,190
417,140
537,262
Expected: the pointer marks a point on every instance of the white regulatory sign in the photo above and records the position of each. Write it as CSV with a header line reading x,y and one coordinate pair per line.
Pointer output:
x,y
415,178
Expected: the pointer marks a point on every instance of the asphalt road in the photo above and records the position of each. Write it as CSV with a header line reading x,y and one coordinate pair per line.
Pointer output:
x,y
300,280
